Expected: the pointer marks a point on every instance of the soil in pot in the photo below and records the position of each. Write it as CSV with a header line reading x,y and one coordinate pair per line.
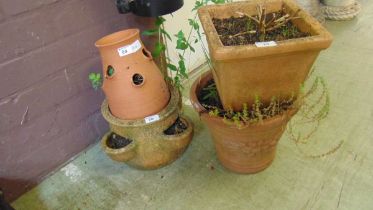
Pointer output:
x,y
243,30
210,100
177,127
116,141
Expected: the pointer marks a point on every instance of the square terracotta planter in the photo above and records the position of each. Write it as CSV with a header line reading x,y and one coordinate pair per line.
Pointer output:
x,y
242,72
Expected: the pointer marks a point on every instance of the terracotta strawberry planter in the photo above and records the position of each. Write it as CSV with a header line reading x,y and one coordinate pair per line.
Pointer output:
x,y
133,84
245,150
241,72
150,148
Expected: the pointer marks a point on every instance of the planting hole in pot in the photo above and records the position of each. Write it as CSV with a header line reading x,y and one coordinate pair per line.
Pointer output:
x,y
110,71
177,127
137,79
116,141
146,53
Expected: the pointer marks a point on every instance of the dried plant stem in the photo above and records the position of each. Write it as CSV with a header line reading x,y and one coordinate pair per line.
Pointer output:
x,y
264,26
242,33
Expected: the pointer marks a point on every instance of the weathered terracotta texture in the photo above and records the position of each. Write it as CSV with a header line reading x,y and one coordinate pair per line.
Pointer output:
x,y
241,72
126,99
246,150
150,147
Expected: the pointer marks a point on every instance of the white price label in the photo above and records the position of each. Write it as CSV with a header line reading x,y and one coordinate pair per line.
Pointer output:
x,y
266,44
151,119
129,49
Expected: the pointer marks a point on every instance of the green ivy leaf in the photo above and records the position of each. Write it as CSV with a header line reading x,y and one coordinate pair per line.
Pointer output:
x,y
172,67
182,68
150,32
194,24
197,5
159,21
181,42
92,76
159,48
218,1
95,79
177,82
165,33
181,45
180,35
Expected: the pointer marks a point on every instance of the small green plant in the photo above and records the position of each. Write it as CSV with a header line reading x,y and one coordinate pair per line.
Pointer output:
x,y
257,109
257,112
214,112
315,107
212,92
178,70
288,31
96,80
313,104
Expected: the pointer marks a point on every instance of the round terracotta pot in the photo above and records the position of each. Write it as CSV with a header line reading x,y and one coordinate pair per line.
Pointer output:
x,y
243,150
133,84
150,147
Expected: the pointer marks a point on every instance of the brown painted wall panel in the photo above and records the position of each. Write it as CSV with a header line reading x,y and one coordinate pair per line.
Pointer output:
x,y
48,111
24,71
45,129
14,7
1,16
34,30
72,142
69,82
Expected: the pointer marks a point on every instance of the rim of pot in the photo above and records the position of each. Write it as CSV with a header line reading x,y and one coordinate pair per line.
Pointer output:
x,y
170,108
202,110
117,37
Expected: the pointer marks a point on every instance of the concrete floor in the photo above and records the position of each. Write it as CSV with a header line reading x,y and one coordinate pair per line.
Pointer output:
x,y
342,180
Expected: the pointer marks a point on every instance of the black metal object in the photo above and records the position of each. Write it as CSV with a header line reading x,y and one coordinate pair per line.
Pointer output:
x,y
3,204
149,8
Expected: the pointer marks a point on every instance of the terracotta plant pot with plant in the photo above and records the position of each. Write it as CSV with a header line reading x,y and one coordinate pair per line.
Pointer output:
x,y
243,149
264,67
133,84
148,143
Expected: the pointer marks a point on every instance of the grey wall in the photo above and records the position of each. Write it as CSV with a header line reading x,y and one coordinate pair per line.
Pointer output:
x,y
48,111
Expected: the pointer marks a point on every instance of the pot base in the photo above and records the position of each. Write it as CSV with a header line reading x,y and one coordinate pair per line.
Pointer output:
x,y
244,167
150,147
